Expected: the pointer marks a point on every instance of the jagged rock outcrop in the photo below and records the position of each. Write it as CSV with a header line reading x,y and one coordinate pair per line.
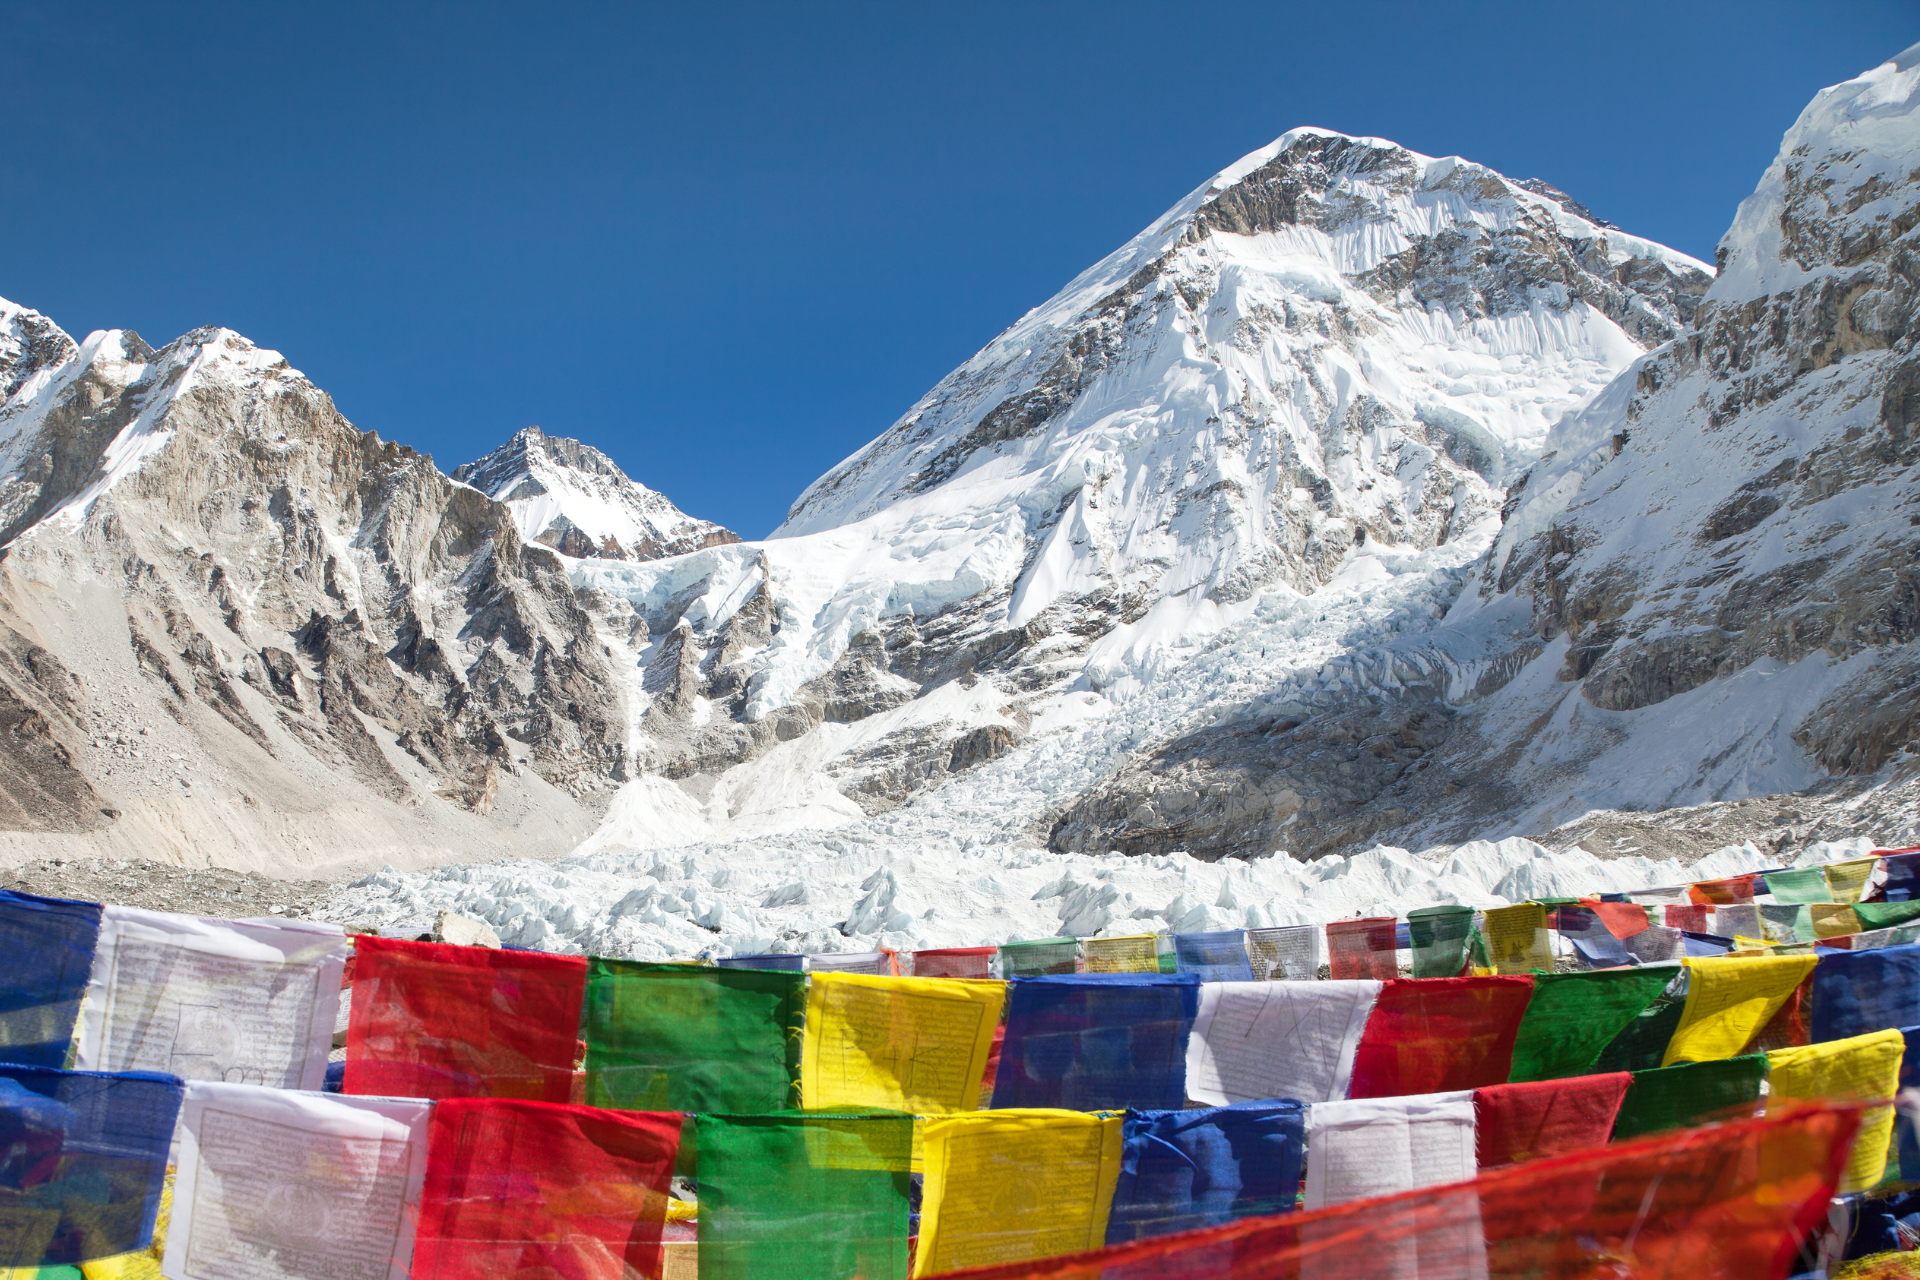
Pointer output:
x,y
575,499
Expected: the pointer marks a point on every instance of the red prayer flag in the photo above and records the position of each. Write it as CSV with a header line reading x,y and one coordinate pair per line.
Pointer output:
x,y
1435,1035
1540,1118
954,962
538,1189
1693,918
434,1020
1623,919
1364,948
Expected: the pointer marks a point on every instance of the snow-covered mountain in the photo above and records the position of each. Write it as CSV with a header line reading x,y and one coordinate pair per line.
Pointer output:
x,y
575,499
234,628
1335,346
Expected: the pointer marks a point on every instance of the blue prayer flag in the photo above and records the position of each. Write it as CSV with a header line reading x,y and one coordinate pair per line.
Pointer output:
x,y
1855,992
1180,1170
83,1158
48,943
1097,1042
1214,957
1903,877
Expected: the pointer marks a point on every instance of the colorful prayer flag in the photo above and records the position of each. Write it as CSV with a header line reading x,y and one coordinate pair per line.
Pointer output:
x,y
1437,1035
918,1045
1729,999
1094,1041
1573,1017
1860,1069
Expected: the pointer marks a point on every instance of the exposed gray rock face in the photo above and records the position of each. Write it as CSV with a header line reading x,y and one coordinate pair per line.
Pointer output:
x,y
241,629
1707,588
575,499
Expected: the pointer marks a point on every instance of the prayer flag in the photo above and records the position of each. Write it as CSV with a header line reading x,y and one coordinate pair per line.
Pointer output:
x,y
48,943
918,1045
804,1196
1437,1035
1846,880
1288,952
247,1001
1258,1040
1573,1017
1012,1186
436,1020
1740,920
279,1185
1592,941
1438,936
1731,890
1729,999
1182,1170
1214,957
1855,992
1039,957
543,1189
83,1158
1832,920
673,1037
1382,1146
1363,949
1097,1041
954,962
1134,953
1691,1093
1903,877
878,963
1884,915
1808,884
1623,919
1656,944
1688,919
1531,1121
1861,1069
1517,939
1786,923
1643,1042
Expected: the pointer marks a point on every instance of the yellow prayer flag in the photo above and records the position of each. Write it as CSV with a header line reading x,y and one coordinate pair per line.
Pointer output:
x,y
1832,921
1016,1185
1728,1000
1517,939
1135,953
1860,1069
898,1044
1847,880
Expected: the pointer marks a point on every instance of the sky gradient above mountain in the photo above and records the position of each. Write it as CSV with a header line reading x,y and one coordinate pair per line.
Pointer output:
x,y
730,248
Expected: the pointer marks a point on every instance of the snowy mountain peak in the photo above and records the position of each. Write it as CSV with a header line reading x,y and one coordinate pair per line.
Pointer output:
x,y
575,499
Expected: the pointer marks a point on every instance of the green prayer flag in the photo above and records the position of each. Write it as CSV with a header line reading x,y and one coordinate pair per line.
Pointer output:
x,y
1573,1017
1786,922
1439,937
1690,1093
1809,884
673,1037
1038,957
1642,1043
804,1196
1884,915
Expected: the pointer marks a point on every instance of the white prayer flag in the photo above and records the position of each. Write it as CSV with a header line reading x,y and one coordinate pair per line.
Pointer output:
x,y
1257,1040
275,1184
1365,1147
242,1001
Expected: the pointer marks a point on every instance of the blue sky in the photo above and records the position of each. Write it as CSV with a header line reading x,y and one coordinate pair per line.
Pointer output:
x,y
729,244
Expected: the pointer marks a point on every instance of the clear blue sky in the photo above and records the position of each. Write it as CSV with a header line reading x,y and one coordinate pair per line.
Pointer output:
x,y
729,244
